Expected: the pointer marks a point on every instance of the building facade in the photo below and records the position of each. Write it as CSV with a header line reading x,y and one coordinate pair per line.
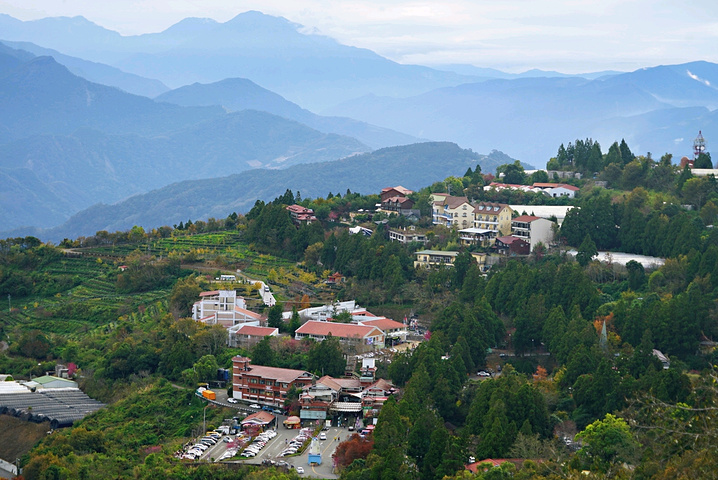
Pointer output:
x,y
493,216
533,229
225,308
247,336
434,258
406,236
453,212
358,338
265,385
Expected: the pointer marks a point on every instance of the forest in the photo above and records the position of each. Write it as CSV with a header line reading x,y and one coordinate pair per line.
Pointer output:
x,y
577,389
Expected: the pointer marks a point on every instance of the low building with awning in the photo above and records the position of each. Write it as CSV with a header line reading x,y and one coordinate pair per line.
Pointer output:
x,y
260,419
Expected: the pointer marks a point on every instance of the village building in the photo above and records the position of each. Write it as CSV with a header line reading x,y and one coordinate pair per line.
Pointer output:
x,y
325,312
398,191
533,229
557,189
265,385
301,215
247,336
493,216
359,338
477,236
399,205
434,258
512,246
394,331
406,236
555,213
225,308
453,212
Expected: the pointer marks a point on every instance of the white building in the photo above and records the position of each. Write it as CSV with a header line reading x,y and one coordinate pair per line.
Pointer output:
x,y
533,229
544,211
406,236
224,307
325,312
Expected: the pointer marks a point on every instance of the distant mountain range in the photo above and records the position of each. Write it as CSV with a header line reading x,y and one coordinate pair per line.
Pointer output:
x,y
312,70
413,166
235,94
67,143
530,117
96,72
78,126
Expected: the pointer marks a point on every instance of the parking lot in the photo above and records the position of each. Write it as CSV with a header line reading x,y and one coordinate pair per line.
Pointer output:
x,y
274,448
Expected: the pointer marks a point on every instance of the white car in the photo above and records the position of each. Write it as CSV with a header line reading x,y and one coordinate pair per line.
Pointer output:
x,y
322,436
232,400
254,405
483,374
300,470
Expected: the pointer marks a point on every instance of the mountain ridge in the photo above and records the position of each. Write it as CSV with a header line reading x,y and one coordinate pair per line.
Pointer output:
x,y
413,166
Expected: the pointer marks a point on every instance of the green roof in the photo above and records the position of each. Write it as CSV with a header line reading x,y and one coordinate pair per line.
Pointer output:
x,y
47,379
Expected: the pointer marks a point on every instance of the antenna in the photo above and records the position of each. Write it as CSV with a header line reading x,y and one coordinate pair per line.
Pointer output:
x,y
699,146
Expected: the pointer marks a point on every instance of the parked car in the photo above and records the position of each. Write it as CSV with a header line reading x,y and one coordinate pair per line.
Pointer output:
x,y
300,470
483,374
254,405
232,400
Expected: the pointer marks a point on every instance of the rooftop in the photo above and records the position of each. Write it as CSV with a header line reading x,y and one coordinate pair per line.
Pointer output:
x,y
341,330
383,323
283,375
508,240
525,219
256,331
437,252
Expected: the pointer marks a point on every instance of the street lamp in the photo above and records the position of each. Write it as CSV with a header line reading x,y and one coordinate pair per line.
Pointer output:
x,y
204,419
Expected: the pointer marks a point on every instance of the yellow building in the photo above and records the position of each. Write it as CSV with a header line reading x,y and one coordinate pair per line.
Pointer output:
x,y
493,216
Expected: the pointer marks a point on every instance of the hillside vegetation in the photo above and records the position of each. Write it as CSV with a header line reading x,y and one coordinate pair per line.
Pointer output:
x,y
572,338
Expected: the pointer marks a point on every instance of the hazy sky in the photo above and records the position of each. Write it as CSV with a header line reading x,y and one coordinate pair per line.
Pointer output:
x,y
513,35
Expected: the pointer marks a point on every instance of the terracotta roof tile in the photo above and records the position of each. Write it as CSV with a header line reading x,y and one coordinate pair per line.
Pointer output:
x,y
341,330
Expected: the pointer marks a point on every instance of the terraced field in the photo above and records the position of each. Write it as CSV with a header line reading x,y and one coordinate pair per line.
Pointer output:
x,y
92,301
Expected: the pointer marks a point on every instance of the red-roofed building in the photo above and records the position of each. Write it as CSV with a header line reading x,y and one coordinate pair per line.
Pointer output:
x,y
397,191
247,336
557,189
512,246
334,279
301,214
265,385
359,337
262,419
400,205
393,330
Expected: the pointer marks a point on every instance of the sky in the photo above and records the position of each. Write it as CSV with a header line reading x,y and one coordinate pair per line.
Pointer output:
x,y
570,36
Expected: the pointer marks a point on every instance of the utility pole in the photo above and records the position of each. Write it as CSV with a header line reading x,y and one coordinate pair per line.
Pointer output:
x,y
204,419
9,303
